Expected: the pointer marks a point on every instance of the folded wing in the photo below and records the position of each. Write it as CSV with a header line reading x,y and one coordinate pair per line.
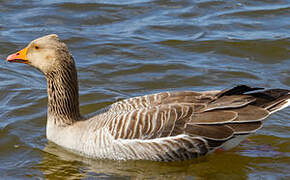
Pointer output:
x,y
205,120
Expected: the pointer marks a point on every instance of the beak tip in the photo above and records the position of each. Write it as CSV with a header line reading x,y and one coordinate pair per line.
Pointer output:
x,y
19,56
10,58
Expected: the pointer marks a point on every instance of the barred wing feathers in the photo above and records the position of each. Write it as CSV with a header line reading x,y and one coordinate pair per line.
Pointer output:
x,y
181,125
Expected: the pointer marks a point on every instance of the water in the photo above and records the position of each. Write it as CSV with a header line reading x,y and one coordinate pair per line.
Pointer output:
x,y
136,47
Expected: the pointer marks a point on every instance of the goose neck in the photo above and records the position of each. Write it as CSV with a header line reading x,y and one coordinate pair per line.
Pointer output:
x,y
63,97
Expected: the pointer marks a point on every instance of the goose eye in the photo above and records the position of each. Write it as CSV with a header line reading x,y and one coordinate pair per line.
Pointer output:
x,y
36,47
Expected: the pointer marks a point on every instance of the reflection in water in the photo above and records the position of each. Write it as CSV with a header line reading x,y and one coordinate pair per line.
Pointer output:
x,y
57,162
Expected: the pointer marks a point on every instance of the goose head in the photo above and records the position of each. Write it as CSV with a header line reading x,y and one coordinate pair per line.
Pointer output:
x,y
51,56
46,53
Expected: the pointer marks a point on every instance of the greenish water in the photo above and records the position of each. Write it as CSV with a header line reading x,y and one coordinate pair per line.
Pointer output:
x,y
130,48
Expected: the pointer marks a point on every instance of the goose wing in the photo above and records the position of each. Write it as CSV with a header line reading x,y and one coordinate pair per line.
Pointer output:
x,y
153,100
180,125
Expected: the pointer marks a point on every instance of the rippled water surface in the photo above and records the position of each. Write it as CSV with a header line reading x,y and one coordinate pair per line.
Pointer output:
x,y
129,48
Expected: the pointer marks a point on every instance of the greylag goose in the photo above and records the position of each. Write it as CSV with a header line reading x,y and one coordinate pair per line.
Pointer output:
x,y
167,126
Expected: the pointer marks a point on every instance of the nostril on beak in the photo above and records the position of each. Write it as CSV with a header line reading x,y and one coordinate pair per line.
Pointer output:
x,y
17,54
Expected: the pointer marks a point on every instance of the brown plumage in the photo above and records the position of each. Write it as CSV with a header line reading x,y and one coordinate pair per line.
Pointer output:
x,y
165,126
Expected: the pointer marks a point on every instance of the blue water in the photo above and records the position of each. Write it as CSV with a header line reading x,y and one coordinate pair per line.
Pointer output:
x,y
129,48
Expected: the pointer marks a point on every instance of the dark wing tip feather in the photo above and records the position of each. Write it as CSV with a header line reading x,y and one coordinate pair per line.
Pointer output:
x,y
271,94
269,98
238,90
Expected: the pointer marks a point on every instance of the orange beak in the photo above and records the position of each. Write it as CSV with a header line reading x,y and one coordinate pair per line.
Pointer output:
x,y
19,57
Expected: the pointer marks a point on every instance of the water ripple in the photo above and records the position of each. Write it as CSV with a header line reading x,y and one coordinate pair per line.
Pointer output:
x,y
130,48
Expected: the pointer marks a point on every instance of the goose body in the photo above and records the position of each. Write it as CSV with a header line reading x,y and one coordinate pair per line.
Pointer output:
x,y
166,126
